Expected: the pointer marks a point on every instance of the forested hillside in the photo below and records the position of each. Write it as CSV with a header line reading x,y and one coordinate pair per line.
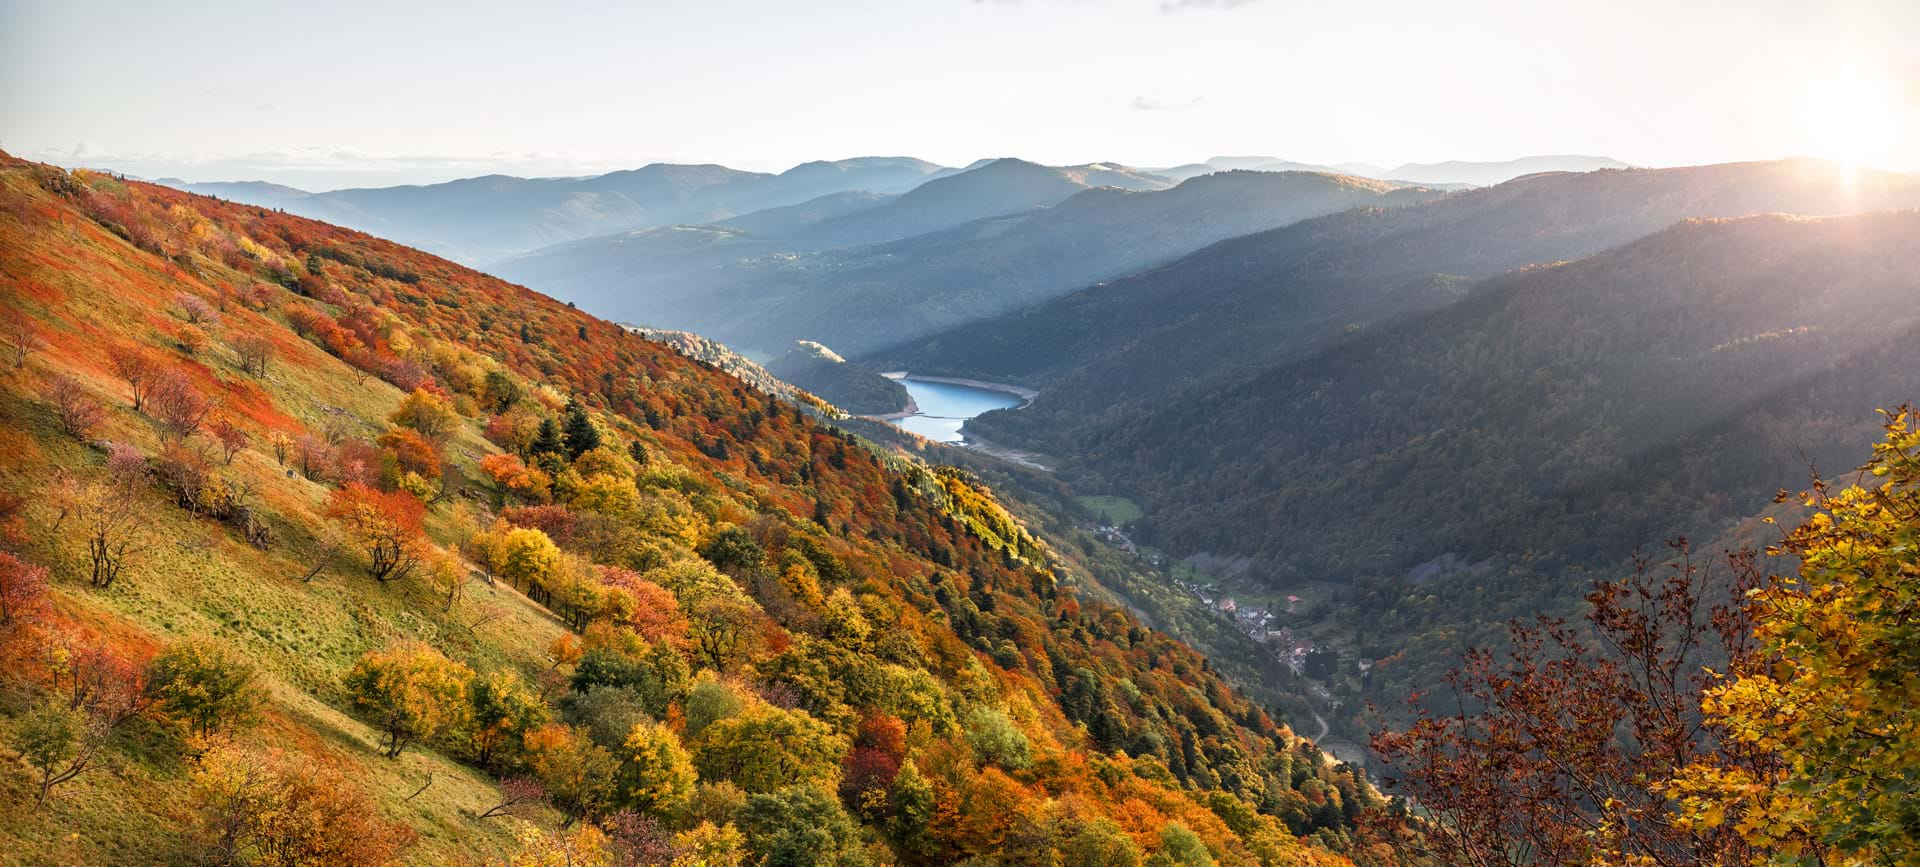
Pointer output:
x,y
1542,430
1227,312
318,549
764,290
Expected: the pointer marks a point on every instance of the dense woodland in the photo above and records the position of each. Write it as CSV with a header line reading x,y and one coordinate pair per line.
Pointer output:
x,y
1547,427
323,550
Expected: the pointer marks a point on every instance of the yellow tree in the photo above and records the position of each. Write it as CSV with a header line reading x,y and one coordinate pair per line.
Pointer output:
x,y
657,775
429,413
411,692
767,748
1835,698
526,557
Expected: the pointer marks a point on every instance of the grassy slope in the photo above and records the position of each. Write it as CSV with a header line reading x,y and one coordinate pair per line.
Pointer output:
x,y
83,288
200,579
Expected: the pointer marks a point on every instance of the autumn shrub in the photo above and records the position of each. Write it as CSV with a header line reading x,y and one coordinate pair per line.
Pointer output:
x,y
204,684
274,808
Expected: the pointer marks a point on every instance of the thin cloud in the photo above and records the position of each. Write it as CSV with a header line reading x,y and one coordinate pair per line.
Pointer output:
x,y
1142,103
1168,6
1172,6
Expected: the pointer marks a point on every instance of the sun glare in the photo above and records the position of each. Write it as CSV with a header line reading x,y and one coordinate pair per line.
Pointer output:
x,y
1860,121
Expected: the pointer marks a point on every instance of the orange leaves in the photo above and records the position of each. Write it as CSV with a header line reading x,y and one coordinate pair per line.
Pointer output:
x,y
359,505
386,525
300,810
413,451
513,477
648,608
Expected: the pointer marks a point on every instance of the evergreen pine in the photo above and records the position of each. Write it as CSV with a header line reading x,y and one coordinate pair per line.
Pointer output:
x,y
582,436
547,439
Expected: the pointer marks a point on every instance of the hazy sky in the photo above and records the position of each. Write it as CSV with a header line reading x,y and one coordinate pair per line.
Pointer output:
x,y
328,94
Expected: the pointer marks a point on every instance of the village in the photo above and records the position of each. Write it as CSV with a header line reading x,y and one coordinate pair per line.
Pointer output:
x,y
1259,624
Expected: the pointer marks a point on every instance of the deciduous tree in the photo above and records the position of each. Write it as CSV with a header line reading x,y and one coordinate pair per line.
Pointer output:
x,y
315,456
136,368
177,404
710,845
17,335
194,308
519,797
766,748
656,774
73,407
801,826
232,439
1832,700
96,691
504,709
1557,747
384,525
203,683
255,352
274,808
23,592
427,412
54,742
577,773
411,693
113,527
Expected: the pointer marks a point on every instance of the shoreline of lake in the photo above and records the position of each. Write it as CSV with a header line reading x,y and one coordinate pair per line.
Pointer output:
x,y
1025,394
938,407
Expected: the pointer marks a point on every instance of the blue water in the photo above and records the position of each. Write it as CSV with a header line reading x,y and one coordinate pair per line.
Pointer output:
x,y
944,407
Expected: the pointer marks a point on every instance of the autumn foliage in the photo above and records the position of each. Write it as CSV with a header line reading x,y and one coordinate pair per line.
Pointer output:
x,y
1774,726
767,641
384,525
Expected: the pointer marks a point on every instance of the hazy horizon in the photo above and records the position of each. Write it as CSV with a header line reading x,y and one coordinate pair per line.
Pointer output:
x,y
317,99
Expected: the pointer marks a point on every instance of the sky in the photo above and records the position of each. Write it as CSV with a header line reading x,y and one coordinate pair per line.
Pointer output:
x,y
335,94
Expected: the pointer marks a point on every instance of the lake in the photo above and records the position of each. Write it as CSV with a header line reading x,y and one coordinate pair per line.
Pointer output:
x,y
945,406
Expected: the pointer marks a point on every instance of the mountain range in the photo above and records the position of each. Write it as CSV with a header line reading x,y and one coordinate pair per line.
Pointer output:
x,y
1244,304
991,252
483,219
1452,173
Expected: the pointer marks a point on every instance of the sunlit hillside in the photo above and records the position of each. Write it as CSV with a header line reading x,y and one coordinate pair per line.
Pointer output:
x,y
395,561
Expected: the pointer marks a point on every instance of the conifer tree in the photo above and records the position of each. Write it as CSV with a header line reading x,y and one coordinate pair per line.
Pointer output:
x,y
582,436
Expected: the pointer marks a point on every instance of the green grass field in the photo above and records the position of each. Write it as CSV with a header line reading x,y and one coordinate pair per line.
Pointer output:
x,y
1119,510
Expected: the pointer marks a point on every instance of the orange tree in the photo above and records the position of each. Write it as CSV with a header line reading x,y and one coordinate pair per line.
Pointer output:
x,y
384,524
